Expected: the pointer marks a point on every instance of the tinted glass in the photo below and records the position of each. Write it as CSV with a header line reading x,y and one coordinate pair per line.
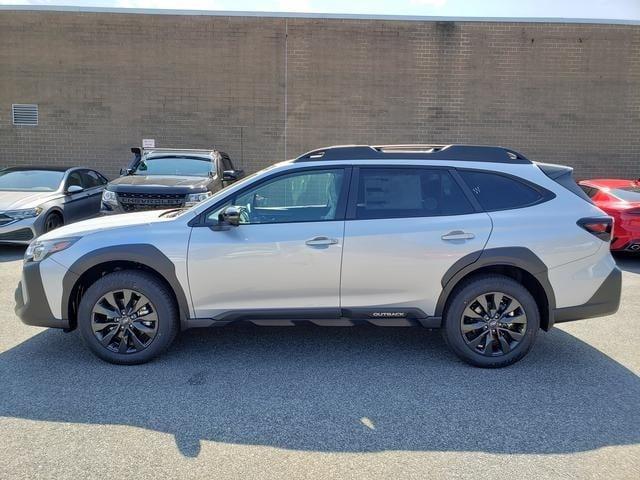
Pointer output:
x,y
91,179
182,166
590,191
497,192
409,192
310,196
628,194
75,179
30,180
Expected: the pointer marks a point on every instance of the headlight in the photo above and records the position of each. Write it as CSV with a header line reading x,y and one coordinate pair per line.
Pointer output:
x,y
194,198
41,249
22,214
109,197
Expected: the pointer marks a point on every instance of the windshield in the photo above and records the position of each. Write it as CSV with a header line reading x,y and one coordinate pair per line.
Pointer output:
x,y
628,194
30,180
174,165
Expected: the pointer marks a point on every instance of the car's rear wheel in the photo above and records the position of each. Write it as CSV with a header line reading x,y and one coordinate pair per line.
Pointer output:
x,y
491,321
53,221
128,317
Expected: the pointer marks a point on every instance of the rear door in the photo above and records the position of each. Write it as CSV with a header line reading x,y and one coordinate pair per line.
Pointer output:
x,y
405,227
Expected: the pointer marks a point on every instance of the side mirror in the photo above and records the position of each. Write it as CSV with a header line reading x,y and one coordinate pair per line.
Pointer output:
x,y
231,215
230,175
74,189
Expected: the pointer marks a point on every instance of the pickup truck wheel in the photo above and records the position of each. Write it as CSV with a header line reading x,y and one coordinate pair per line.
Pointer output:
x,y
128,317
491,321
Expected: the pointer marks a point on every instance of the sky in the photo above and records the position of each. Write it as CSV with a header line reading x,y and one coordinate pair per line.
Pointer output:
x,y
595,9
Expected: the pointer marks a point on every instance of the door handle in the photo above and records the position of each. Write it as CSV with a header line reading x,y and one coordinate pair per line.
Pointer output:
x,y
458,235
321,241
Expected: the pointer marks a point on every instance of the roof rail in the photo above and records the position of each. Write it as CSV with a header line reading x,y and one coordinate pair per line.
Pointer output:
x,y
191,150
469,153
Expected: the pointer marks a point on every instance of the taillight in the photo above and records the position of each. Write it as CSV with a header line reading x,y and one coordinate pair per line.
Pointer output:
x,y
601,227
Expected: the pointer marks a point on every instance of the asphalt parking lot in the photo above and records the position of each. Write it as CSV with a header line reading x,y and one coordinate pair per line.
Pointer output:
x,y
319,402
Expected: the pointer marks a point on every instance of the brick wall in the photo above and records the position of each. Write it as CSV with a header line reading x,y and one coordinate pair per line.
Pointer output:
x,y
265,89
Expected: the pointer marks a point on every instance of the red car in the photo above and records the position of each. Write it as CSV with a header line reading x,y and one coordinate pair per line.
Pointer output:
x,y
621,200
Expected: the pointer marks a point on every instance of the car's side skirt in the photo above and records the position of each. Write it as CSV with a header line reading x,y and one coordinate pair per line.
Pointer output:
x,y
324,317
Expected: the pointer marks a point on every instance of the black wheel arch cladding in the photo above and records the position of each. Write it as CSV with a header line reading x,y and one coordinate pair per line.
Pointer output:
x,y
146,255
519,257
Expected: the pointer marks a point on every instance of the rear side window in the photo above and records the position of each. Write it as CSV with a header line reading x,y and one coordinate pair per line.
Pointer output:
x,y
498,192
590,191
409,192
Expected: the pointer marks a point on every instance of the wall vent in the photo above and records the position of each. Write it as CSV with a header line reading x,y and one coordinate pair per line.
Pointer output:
x,y
24,114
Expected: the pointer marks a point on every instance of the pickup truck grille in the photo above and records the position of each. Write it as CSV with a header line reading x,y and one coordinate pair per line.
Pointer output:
x,y
150,201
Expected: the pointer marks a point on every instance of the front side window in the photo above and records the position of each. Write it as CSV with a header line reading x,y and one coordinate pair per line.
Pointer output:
x,y
91,179
309,196
498,192
30,180
75,180
174,165
409,192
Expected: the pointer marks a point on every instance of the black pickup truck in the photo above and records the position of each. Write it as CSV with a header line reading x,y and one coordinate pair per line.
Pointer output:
x,y
163,178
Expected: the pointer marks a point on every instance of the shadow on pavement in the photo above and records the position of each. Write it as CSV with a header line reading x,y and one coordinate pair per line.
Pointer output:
x,y
11,253
628,262
328,389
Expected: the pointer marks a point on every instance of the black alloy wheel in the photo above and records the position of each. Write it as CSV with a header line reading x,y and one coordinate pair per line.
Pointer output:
x,y
124,321
493,324
491,320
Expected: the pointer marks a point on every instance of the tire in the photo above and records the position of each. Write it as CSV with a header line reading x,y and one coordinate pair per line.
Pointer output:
x,y
53,221
145,338
510,338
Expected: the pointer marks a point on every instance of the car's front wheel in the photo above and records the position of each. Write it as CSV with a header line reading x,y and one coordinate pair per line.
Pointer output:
x,y
491,321
128,317
53,221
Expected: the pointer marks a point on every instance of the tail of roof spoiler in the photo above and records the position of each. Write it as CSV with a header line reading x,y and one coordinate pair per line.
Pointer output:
x,y
563,175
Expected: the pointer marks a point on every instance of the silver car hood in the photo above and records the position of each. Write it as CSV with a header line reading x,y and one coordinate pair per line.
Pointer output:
x,y
14,200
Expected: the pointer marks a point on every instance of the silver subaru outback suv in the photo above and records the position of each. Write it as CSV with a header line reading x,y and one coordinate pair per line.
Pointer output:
x,y
476,240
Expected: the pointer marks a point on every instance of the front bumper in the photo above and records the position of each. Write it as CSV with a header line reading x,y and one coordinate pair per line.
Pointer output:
x,y
605,301
31,302
21,232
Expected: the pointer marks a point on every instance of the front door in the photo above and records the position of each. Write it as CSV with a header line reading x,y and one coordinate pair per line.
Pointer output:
x,y
284,257
75,203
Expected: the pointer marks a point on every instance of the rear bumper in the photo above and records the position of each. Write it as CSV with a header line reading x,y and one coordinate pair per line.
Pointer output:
x,y
605,301
31,302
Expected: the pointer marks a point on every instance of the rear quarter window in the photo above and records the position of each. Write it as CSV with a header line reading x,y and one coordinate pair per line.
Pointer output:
x,y
499,192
